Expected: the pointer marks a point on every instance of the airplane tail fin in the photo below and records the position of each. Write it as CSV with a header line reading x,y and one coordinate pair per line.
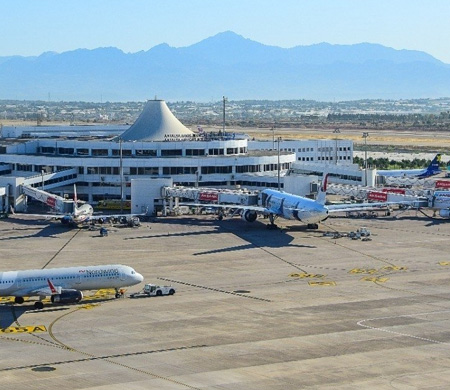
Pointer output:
x,y
75,197
434,167
322,194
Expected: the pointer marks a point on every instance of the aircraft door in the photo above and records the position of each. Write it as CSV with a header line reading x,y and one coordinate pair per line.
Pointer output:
x,y
122,275
78,279
264,199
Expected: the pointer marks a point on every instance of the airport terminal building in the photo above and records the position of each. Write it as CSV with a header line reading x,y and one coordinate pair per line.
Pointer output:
x,y
103,161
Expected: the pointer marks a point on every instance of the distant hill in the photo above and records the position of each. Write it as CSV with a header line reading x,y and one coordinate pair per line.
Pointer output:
x,y
227,64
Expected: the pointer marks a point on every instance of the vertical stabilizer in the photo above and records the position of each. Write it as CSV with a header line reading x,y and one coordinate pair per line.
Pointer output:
x,y
434,167
322,194
75,198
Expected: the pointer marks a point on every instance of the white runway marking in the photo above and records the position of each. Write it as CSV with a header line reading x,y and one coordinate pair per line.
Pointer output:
x,y
361,323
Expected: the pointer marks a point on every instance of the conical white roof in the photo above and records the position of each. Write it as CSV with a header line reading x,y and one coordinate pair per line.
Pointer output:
x,y
156,123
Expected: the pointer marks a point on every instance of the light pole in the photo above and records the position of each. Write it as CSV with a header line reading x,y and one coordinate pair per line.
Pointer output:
x,y
278,165
273,137
121,174
365,135
223,121
336,131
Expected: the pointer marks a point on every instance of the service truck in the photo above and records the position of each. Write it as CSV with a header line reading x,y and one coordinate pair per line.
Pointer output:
x,y
152,290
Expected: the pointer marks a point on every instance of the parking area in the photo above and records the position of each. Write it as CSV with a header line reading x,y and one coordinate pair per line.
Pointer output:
x,y
254,308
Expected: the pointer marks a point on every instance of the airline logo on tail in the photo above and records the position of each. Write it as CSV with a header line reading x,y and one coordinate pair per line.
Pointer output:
x,y
52,287
322,194
433,168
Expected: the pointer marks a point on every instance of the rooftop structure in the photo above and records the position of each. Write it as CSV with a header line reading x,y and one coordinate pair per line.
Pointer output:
x,y
156,123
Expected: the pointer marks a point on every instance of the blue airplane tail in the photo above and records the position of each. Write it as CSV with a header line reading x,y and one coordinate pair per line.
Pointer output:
x,y
434,167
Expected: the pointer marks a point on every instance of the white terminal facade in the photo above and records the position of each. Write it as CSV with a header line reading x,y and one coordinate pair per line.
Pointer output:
x,y
103,161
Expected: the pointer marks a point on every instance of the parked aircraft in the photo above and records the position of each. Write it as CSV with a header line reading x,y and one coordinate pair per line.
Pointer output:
x,y
294,207
431,170
80,214
65,285
440,202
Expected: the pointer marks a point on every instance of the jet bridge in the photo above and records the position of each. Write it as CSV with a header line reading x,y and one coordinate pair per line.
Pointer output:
x,y
56,202
51,180
172,195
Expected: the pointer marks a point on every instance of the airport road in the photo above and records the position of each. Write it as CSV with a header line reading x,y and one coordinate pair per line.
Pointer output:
x,y
254,308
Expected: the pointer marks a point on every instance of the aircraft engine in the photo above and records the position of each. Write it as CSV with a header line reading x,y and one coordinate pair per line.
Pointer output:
x,y
249,215
444,213
68,296
66,220
134,221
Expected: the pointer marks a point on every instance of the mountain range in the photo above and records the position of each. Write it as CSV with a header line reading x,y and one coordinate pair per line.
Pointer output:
x,y
226,64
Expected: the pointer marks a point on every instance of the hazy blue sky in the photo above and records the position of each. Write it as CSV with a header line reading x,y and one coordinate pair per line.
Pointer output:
x,y
30,27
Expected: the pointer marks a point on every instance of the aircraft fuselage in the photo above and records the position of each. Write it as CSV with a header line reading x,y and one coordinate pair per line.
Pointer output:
x,y
36,282
294,207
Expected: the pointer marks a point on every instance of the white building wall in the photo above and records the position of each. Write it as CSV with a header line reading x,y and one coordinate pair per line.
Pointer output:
x,y
144,192
336,151
300,184
98,175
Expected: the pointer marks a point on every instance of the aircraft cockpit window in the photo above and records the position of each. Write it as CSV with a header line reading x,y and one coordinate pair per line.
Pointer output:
x,y
132,272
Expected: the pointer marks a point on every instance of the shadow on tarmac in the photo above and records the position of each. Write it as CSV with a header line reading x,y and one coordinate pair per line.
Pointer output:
x,y
256,234
9,314
35,229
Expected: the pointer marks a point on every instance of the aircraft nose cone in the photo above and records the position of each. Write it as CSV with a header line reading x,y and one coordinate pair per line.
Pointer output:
x,y
139,277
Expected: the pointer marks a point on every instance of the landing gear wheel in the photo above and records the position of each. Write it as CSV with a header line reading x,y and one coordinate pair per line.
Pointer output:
x,y
19,300
117,295
313,226
38,305
272,225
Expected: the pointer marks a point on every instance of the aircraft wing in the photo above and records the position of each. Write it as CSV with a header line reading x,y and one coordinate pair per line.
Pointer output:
x,y
50,289
336,208
42,291
258,209
44,216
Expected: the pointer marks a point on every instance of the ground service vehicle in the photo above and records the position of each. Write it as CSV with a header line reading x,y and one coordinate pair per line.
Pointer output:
x,y
152,290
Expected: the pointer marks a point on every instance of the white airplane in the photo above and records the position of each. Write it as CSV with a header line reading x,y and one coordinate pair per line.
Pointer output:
x,y
79,215
294,207
431,170
65,285
440,202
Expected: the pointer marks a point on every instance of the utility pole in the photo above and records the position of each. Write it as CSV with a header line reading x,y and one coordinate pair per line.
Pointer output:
x,y
278,165
365,135
273,137
121,175
336,131
223,121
